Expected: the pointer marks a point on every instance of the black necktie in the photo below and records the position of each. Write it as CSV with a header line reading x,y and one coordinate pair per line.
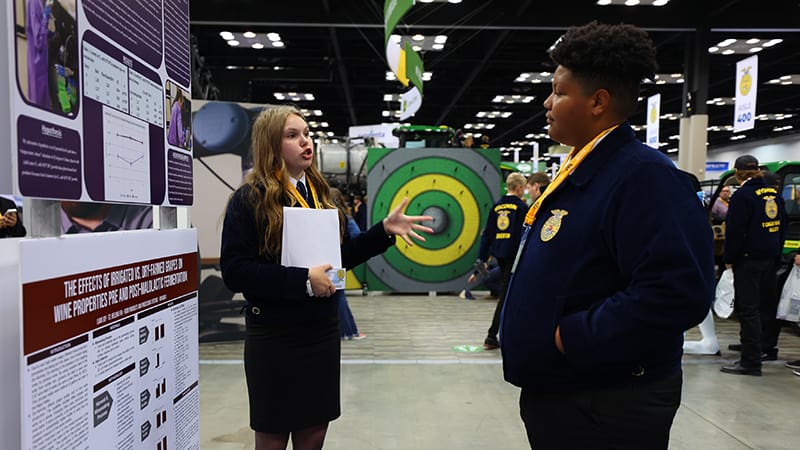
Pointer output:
x,y
301,188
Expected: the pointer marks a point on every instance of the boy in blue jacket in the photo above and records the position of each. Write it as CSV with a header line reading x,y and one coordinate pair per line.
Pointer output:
x,y
604,284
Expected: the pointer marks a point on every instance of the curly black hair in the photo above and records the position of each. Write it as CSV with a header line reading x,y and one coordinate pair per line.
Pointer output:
x,y
612,57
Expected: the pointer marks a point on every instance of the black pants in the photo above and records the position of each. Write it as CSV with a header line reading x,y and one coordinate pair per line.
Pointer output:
x,y
637,417
755,285
505,265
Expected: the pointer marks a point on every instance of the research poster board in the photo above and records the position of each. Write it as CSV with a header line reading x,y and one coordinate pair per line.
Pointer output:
x,y
100,100
110,341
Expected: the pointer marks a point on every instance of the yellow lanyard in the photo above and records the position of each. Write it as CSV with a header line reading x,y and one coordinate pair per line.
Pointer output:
x,y
300,199
573,161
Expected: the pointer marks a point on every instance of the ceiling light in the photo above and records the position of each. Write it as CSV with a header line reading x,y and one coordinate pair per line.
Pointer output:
x,y
772,42
277,44
494,114
631,2
421,42
513,99
257,46
737,137
660,2
249,34
227,35
741,46
273,37
603,2
454,1
294,96
786,80
233,43
672,150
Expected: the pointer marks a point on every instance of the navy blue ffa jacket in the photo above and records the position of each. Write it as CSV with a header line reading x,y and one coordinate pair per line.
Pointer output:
x,y
623,279
280,291
503,228
755,226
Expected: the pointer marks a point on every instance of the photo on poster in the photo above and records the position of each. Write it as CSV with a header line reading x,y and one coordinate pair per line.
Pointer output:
x,y
47,54
178,105
92,217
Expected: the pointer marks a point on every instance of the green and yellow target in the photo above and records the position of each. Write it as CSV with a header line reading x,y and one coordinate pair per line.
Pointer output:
x,y
455,186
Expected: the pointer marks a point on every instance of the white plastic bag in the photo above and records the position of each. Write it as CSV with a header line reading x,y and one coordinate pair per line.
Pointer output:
x,y
789,304
723,300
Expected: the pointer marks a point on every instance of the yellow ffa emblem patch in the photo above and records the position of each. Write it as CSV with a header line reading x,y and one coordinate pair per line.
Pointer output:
x,y
552,224
502,221
746,83
771,208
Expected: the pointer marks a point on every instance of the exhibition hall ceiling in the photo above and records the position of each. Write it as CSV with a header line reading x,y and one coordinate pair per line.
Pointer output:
x,y
332,51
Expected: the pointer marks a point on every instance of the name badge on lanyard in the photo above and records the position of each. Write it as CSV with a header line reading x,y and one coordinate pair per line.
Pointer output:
x,y
525,230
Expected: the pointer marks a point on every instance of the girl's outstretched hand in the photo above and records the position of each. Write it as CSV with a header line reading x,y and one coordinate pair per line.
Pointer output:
x,y
405,226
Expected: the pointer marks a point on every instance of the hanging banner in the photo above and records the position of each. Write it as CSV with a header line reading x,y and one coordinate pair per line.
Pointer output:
x,y
414,67
653,117
744,115
410,103
393,10
404,61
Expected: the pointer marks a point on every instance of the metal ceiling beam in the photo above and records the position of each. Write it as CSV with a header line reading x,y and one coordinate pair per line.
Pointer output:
x,y
239,23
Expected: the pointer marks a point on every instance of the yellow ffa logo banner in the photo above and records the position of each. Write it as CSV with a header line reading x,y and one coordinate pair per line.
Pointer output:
x,y
552,224
771,208
502,220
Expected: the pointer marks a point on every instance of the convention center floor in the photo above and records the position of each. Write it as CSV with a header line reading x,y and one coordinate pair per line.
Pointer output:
x,y
412,383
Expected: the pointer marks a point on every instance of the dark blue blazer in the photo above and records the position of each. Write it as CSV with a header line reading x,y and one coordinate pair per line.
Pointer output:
x,y
280,291
756,222
503,229
627,269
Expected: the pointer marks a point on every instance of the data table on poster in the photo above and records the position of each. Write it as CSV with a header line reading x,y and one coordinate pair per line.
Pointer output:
x,y
105,79
147,99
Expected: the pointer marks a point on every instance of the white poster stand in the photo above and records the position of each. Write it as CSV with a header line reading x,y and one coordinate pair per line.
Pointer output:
x,y
109,345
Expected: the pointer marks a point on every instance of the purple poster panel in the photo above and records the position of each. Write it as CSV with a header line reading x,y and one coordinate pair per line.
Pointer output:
x,y
176,41
179,178
49,159
133,25
123,126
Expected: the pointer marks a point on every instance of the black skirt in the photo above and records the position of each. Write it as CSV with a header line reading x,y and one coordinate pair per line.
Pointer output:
x,y
292,374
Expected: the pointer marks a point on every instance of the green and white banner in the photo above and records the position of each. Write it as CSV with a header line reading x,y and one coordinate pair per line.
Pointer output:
x,y
404,61
393,10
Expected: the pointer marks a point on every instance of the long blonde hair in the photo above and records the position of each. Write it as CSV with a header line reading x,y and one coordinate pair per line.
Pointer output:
x,y
267,194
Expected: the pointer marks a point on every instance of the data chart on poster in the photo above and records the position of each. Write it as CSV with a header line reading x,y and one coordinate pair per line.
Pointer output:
x,y
147,99
126,157
105,79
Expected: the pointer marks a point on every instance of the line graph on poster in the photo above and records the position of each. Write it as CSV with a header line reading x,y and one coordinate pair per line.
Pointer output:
x,y
126,157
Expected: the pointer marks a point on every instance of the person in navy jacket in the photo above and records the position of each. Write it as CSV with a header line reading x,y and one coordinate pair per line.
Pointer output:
x,y
500,239
605,284
754,233
292,346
